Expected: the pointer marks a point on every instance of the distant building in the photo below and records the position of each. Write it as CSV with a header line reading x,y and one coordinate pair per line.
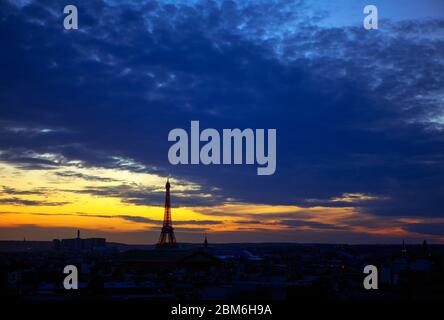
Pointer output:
x,y
205,244
79,244
403,249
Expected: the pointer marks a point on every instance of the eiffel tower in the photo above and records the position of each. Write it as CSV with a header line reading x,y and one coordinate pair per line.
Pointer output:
x,y
167,238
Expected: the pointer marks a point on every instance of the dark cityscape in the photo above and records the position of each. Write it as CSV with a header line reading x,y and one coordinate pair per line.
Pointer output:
x,y
33,271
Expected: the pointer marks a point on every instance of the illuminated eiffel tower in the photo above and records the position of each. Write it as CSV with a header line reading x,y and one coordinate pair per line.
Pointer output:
x,y
167,238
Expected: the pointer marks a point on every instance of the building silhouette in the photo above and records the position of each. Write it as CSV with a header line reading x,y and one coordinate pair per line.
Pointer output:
x,y
205,244
79,244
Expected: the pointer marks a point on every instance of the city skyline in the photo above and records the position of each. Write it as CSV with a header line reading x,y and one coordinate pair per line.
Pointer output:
x,y
85,116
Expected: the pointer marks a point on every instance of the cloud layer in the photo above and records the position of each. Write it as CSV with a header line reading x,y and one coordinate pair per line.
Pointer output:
x,y
357,112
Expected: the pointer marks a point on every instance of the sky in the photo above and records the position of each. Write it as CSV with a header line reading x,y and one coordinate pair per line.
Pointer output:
x,y
85,115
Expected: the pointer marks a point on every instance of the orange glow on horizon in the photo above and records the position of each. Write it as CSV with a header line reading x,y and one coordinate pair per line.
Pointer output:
x,y
100,199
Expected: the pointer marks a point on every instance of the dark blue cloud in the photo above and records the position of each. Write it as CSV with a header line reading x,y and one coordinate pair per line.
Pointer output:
x,y
427,228
23,202
317,225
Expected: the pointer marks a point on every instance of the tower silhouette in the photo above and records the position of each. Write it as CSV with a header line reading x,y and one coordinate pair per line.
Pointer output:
x,y
167,238
205,241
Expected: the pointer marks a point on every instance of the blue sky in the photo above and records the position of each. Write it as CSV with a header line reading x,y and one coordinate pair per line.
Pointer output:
x,y
357,112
